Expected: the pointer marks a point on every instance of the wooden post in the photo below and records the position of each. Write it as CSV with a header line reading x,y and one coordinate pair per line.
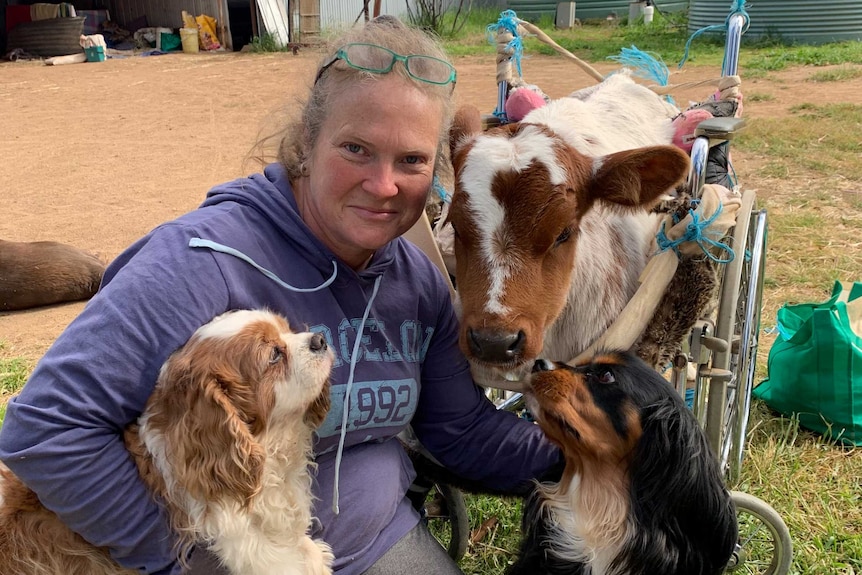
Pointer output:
x,y
291,29
252,7
224,34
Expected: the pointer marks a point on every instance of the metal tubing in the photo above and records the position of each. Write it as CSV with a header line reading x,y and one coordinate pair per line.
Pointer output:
x,y
750,338
697,172
735,26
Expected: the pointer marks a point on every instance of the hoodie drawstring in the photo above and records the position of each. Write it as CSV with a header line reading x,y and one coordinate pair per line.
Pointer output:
x,y
353,358
216,247
201,243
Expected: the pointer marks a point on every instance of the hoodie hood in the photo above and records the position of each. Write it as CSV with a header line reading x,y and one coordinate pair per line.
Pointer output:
x,y
278,205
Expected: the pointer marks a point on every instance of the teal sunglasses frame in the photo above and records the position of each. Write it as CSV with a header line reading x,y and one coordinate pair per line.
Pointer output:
x,y
405,60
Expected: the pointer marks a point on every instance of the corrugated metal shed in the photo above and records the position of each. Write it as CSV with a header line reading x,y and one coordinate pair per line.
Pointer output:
x,y
532,10
589,9
164,13
801,21
339,14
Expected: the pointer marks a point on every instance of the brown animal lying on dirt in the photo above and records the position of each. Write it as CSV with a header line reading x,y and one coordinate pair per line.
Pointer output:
x,y
34,274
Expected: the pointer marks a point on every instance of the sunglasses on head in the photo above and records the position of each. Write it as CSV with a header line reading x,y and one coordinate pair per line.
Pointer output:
x,y
380,60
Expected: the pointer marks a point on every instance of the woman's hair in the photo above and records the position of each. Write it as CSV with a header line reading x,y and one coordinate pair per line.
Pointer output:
x,y
388,32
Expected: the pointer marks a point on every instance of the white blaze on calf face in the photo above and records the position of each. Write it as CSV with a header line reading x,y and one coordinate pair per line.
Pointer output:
x,y
489,157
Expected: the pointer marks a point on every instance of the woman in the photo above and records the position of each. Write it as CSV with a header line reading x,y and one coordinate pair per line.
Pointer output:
x,y
316,238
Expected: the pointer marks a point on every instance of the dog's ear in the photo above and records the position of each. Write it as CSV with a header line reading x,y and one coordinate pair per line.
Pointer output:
x,y
316,412
213,452
680,504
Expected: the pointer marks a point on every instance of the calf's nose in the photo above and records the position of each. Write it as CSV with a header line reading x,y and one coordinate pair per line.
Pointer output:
x,y
495,346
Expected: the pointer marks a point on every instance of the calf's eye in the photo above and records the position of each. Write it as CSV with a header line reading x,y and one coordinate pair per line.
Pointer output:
x,y
564,236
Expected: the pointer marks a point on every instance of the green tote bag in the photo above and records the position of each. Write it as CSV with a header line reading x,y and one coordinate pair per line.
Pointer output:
x,y
815,365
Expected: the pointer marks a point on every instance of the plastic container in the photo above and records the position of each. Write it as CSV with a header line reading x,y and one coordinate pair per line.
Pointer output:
x,y
189,39
649,9
159,31
95,53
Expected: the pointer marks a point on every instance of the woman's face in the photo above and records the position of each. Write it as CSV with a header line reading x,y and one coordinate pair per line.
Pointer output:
x,y
371,167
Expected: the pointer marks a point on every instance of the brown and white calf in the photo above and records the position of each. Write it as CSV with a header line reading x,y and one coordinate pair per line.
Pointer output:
x,y
551,221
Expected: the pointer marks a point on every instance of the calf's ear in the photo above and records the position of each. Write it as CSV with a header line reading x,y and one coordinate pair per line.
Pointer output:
x,y
639,177
466,123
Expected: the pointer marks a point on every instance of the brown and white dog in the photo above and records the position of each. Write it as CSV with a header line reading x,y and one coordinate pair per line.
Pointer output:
x,y
641,493
224,442
34,274
551,221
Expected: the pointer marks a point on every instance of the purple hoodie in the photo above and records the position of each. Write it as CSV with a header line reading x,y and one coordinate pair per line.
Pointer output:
x,y
250,249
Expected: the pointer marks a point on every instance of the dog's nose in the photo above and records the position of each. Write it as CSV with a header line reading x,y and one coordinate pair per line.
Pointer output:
x,y
317,342
543,365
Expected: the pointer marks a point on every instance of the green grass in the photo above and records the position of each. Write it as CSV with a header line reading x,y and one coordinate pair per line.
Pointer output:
x,y
840,74
822,138
266,42
13,375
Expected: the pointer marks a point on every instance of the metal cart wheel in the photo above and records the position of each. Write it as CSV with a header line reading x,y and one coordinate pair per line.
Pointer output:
x,y
446,512
738,324
764,546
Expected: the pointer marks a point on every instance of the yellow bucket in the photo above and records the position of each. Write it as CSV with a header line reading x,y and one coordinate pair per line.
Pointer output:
x,y
189,38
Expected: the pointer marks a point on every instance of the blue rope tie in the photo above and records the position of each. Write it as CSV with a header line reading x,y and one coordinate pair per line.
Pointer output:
x,y
696,232
738,6
689,398
509,21
444,195
646,65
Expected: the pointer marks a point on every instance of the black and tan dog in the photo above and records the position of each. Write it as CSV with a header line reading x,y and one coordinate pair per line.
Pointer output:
x,y
642,493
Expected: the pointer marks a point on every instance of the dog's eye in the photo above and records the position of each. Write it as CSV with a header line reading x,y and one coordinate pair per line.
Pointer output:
x,y
276,354
606,377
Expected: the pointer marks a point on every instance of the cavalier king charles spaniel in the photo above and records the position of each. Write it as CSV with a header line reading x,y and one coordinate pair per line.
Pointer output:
x,y
641,493
224,443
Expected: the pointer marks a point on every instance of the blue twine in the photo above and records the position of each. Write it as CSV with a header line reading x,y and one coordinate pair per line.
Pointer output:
x,y
696,232
689,398
509,21
738,6
444,195
644,64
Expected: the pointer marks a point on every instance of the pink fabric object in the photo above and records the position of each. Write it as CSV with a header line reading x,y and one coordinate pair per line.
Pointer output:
x,y
684,125
522,101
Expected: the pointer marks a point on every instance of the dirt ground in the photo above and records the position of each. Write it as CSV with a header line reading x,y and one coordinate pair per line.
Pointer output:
x,y
95,155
